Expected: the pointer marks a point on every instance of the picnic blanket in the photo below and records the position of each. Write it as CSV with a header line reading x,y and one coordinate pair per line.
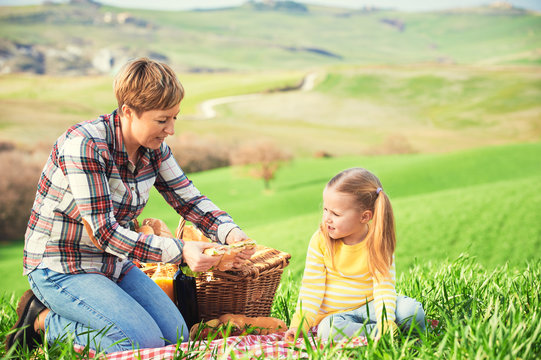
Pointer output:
x,y
263,346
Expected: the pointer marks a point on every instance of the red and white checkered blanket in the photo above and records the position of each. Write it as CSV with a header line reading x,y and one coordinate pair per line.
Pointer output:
x,y
265,346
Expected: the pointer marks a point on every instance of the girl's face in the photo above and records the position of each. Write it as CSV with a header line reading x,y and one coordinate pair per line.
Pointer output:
x,y
150,128
343,218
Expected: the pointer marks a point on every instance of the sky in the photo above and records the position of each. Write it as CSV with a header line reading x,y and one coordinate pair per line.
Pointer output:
x,y
404,5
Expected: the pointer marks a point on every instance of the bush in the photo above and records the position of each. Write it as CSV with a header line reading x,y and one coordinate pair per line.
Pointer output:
x,y
18,185
263,157
195,153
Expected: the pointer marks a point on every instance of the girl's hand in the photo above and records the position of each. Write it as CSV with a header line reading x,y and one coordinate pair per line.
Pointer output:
x,y
289,336
192,254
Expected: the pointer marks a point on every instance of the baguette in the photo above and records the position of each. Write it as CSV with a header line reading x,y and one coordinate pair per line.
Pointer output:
x,y
235,325
268,325
159,227
146,229
191,233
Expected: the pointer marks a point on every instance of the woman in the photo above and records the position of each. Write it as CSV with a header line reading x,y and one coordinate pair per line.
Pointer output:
x,y
101,172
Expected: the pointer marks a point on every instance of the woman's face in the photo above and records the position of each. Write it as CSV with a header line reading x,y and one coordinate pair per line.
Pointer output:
x,y
343,218
150,128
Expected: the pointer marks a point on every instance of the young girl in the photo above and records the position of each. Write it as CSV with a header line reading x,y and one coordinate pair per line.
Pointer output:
x,y
348,286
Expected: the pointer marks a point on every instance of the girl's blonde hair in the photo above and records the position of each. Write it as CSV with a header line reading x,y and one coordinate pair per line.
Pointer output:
x,y
369,195
144,84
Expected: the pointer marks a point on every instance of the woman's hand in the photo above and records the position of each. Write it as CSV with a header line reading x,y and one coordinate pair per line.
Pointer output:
x,y
192,253
237,235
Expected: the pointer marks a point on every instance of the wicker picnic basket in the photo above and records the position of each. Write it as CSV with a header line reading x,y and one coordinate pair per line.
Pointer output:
x,y
249,291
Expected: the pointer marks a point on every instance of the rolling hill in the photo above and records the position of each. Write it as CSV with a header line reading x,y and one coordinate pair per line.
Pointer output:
x,y
87,38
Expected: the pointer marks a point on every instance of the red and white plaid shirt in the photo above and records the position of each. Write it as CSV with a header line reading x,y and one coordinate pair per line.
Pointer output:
x,y
88,176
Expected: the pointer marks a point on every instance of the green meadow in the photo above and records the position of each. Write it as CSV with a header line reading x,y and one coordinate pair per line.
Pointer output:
x,y
443,107
484,202
468,238
352,110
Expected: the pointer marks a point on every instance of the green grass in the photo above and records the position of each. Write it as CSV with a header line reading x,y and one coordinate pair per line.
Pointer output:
x,y
479,201
481,314
454,98
483,203
371,110
11,268
385,110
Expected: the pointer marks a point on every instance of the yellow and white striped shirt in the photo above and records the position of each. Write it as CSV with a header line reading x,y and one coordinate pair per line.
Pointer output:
x,y
347,286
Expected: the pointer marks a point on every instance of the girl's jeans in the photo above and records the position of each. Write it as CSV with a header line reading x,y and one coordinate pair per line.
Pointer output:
x,y
133,313
409,312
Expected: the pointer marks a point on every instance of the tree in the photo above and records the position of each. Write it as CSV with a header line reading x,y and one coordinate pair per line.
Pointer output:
x,y
263,158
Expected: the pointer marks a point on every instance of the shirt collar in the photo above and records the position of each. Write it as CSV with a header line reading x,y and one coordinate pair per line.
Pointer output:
x,y
120,154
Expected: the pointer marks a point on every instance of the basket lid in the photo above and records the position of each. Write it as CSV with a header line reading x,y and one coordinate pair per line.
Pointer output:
x,y
264,259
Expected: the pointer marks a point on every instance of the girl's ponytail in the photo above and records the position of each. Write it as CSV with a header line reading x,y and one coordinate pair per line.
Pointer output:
x,y
382,236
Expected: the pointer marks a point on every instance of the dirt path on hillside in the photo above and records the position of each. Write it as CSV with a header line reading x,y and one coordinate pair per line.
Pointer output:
x,y
207,111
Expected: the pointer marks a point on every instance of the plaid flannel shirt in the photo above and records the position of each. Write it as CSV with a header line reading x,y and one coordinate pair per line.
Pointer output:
x,y
88,176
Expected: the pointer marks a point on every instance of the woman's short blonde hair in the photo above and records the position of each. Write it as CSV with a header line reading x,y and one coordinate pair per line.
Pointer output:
x,y
144,84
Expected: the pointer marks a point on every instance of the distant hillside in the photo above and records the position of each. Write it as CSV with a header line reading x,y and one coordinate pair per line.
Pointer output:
x,y
86,38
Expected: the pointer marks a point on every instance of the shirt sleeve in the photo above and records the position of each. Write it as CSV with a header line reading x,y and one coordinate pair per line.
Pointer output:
x,y
188,201
85,171
313,285
385,299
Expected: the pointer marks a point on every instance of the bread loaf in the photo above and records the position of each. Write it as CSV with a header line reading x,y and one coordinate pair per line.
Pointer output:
x,y
159,227
235,325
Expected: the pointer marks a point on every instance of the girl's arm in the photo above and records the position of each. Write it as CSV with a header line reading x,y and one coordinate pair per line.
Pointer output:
x,y
188,201
385,301
313,285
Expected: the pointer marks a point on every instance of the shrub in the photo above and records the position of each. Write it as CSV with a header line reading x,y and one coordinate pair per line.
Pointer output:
x,y
18,185
263,157
195,153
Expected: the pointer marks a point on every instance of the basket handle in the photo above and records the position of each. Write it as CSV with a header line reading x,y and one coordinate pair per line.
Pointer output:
x,y
180,228
285,261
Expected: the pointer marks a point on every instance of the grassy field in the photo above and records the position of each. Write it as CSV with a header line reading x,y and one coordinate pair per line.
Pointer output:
x,y
443,107
38,108
484,202
481,314
369,110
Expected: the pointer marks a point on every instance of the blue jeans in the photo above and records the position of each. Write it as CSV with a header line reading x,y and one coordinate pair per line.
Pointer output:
x,y
408,312
133,313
